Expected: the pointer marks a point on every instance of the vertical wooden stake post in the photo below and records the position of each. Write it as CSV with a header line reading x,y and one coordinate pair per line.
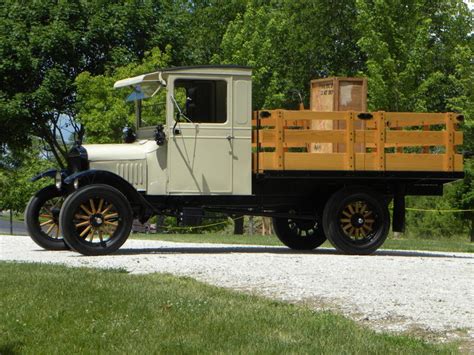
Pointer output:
x,y
380,141
279,133
449,142
350,140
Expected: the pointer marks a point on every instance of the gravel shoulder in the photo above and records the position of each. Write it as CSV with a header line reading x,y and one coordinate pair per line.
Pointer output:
x,y
427,293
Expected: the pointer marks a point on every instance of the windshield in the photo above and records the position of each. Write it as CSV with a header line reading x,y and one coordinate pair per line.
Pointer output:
x,y
150,101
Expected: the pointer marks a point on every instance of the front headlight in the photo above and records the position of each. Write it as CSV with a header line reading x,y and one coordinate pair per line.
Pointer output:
x,y
77,159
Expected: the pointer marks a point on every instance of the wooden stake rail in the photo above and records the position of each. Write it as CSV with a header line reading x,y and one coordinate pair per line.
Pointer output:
x,y
392,141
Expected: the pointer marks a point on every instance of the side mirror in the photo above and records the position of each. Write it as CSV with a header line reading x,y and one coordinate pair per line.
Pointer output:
x,y
160,136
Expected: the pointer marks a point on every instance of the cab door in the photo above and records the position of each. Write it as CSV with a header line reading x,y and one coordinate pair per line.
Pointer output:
x,y
200,136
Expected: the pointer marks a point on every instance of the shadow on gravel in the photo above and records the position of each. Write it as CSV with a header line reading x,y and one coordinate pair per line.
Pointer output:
x,y
278,250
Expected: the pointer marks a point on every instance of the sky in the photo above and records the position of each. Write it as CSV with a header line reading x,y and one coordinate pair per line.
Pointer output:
x,y
470,3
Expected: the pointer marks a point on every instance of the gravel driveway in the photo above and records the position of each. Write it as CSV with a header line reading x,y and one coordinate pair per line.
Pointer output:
x,y
426,292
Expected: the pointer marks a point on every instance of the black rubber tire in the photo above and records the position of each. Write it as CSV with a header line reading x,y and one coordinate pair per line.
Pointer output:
x,y
32,220
73,203
289,235
333,212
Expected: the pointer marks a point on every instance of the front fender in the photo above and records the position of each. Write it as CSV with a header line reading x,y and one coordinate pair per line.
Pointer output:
x,y
49,173
92,176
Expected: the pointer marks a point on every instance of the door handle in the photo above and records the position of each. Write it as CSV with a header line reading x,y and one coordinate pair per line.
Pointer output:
x,y
229,138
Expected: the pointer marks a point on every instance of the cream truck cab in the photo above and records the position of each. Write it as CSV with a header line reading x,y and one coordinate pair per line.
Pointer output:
x,y
198,148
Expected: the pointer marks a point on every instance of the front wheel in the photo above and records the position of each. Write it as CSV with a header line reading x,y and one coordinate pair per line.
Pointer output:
x,y
356,221
299,234
96,220
42,218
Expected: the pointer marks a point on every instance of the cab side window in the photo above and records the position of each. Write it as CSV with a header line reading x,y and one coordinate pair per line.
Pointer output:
x,y
202,101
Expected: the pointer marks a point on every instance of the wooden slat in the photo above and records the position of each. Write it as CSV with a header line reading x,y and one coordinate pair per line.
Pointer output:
x,y
307,136
407,119
265,122
314,161
365,161
458,162
415,138
419,138
414,162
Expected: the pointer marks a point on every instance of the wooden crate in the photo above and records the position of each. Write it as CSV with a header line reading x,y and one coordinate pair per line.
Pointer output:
x,y
337,94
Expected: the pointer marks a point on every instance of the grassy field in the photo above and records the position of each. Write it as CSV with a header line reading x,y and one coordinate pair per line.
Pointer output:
x,y
53,309
17,217
391,243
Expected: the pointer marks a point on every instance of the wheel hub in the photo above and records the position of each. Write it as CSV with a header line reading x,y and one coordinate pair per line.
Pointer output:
x,y
97,220
357,220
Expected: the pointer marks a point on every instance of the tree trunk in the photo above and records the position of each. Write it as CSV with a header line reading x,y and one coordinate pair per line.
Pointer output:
x,y
251,225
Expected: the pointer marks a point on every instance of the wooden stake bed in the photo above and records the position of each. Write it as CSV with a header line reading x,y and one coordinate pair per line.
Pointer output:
x,y
391,141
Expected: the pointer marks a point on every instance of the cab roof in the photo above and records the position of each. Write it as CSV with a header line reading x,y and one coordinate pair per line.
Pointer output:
x,y
228,69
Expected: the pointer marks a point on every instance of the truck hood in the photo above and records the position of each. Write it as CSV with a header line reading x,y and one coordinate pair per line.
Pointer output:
x,y
117,152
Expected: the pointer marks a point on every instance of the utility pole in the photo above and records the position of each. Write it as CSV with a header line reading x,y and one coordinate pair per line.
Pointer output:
x,y
11,221
472,226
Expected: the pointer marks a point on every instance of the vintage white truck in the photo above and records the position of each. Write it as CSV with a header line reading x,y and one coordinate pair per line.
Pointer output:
x,y
198,148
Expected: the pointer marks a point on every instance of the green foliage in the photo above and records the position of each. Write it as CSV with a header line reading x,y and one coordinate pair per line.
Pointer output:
x,y
412,52
45,44
206,23
101,108
15,174
321,42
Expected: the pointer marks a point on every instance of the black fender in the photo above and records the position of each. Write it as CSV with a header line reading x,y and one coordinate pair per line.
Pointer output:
x,y
141,208
49,173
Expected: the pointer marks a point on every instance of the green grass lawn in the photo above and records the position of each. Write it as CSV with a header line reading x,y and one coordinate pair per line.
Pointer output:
x,y
16,217
49,309
391,243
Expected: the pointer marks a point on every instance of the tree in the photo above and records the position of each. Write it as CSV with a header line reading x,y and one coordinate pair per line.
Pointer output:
x,y
412,50
101,108
290,43
15,174
207,21
45,45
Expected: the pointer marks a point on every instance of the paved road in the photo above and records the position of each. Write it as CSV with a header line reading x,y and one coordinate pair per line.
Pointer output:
x,y
430,292
18,227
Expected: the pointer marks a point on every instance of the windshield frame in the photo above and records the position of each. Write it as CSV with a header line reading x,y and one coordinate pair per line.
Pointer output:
x,y
139,107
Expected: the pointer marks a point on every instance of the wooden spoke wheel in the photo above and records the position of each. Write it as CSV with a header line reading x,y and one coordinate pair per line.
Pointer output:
x,y
96,219
42,218
356,221
299,234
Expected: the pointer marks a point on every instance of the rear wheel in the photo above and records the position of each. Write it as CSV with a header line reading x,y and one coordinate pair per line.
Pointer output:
x,y
299,234
96,220
42,218
356,221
